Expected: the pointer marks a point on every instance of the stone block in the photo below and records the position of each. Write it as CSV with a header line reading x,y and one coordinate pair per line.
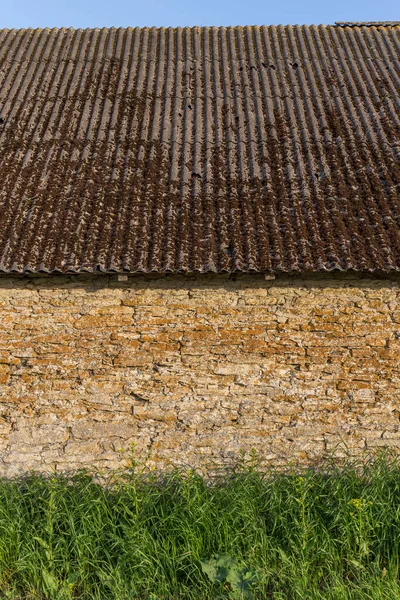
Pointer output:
x,y
365,394
39,436
90,430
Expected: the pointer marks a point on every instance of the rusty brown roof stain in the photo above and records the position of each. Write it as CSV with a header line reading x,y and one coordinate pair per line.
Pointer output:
x,y
258,149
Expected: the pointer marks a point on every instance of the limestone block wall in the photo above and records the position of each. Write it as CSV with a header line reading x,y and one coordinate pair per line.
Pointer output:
x,y
195,368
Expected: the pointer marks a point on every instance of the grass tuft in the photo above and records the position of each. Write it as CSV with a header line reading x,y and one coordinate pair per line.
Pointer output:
x,y
331,533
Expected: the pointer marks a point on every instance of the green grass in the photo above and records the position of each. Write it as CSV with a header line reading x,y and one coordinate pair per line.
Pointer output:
x,y
328,534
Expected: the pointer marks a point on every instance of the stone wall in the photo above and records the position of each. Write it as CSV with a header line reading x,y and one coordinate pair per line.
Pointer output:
x,y
195,368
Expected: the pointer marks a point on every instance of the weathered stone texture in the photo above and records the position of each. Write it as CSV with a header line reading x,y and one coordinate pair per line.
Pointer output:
x,y
195,368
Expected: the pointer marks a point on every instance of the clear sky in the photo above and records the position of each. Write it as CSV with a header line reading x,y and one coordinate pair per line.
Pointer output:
x,y
124,13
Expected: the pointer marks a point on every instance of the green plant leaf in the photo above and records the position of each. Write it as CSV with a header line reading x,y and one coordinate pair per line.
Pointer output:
x,y
73,578
225,560
42,542
356,563
225,568
50,583
212,570
241,581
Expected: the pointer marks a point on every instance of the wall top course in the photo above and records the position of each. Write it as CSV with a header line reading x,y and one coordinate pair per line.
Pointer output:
x,y
234,281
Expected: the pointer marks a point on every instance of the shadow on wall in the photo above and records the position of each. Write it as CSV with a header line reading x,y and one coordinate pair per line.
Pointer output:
x,y
93,281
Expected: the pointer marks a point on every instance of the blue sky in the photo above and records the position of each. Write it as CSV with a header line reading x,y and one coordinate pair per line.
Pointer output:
x,y
106,13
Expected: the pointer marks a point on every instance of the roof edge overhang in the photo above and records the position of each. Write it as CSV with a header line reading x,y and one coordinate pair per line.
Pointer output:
x,y
84,271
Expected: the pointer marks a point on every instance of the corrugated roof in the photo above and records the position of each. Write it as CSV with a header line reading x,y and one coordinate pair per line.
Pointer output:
x,y
200,149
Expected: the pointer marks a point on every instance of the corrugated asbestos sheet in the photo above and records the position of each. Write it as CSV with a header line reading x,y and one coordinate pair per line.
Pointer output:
x,y
200,149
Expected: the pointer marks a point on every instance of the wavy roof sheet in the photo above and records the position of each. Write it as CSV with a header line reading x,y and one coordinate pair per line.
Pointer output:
x,y
200,149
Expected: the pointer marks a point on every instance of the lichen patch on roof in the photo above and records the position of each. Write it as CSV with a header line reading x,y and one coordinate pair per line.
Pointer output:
x,y
200,149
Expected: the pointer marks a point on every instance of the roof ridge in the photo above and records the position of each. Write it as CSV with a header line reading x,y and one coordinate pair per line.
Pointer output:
x,y
366,23
226,27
